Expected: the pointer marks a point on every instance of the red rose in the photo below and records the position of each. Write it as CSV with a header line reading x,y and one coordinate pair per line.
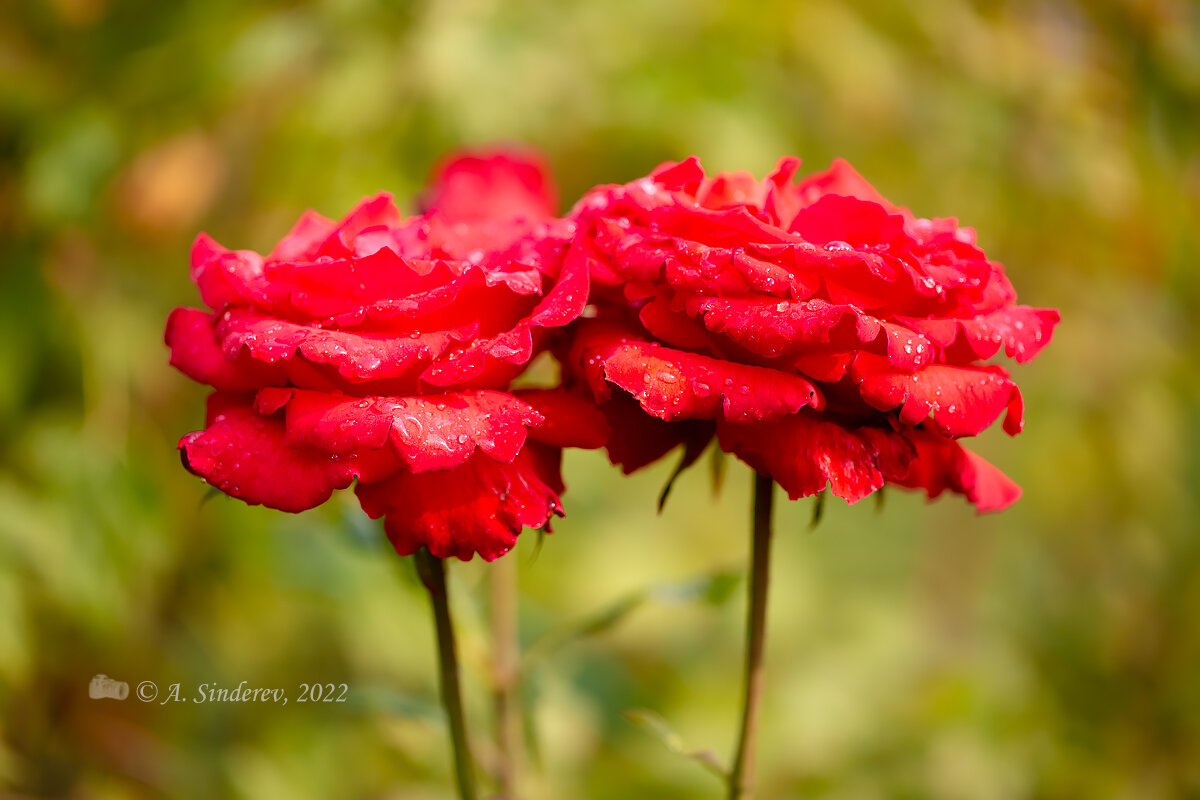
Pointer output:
x,y
823,334
380,348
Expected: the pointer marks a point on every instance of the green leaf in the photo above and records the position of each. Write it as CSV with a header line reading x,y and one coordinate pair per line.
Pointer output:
x,y
818,509
654,724
691,454
711,589
717,462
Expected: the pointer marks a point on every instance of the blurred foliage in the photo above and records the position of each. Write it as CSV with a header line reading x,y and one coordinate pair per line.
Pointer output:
x,y
917,652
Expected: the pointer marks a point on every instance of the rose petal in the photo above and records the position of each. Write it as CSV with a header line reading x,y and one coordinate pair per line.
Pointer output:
x,y
943,464
675,328
673,384
962,401
195,352
1022,330
774,328
226,276
839,179
245,456
569,420
849,219
566,301
303,242
334,286
432,432
639,439
356,357
371,212
805,453
491,186
479,507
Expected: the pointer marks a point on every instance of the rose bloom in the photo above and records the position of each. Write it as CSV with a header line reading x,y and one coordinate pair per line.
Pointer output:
x,y
825,336
380,349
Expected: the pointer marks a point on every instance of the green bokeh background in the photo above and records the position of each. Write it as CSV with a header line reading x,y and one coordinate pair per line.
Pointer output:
x,y
916,651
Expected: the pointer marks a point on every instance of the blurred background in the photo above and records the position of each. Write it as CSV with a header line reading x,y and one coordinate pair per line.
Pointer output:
x,y
916,651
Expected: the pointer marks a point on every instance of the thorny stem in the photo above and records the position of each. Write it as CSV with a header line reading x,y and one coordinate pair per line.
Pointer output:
x,y
433,574
506,676
741,777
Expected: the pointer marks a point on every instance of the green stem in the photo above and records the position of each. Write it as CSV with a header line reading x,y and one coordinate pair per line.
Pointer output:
x,y
433,574
741,778
506,676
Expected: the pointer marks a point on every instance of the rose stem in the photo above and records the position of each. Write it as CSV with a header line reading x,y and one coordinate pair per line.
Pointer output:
x,y
506,672
741,778
433,574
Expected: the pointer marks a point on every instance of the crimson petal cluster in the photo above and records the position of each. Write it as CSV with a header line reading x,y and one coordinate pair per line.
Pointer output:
x,y
825,336
379,349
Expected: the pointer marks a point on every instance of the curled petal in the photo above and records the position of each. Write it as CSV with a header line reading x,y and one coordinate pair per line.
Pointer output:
x,y
961,401
566,301
683,175
245,455
569,420
334,286
806,453
639,439
1021,330
943,464
673,384
432,432
847,219
303,242
225,276
480,507
773,328
357,357
379,211
839,179
487,362
196,353
491,186
694,268
675,328
780,201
